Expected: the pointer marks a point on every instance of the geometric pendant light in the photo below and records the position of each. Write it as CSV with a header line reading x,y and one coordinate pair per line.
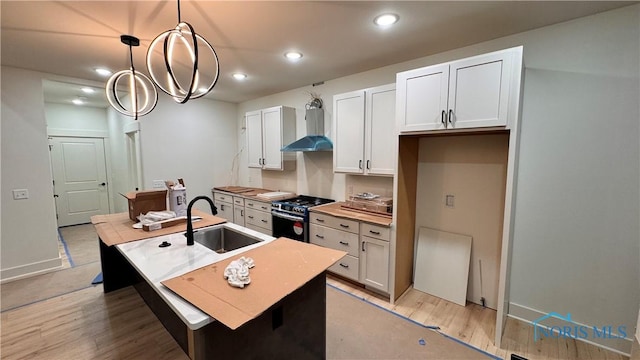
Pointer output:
x,y
142,93
185,66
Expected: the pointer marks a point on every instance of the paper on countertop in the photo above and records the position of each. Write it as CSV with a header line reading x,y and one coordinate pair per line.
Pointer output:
x,y
237,272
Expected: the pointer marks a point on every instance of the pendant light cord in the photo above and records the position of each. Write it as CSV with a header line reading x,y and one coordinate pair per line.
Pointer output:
x,y
179,19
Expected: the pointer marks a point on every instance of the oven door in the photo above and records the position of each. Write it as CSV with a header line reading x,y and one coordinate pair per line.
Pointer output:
x,y
290,226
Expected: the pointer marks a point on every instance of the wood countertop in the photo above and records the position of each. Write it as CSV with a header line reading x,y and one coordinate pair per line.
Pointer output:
x,y
336,209
247,192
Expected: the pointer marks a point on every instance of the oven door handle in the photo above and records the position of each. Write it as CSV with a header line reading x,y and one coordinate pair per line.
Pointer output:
x,y
287,216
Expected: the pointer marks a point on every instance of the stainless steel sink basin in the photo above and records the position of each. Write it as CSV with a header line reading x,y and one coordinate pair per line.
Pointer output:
x,y
223,239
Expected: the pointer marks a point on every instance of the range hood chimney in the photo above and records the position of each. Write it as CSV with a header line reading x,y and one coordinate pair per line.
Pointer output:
x,y
315,139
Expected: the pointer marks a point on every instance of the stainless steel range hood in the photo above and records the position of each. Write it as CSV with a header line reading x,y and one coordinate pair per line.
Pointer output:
x,y
315,139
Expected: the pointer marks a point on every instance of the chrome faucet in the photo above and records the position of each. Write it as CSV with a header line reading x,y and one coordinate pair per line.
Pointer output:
x,y
189,233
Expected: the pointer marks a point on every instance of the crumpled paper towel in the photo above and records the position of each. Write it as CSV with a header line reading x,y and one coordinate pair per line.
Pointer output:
x,y
237,272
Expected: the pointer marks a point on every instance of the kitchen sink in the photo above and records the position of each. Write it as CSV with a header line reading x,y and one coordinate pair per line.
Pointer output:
x,y
223,239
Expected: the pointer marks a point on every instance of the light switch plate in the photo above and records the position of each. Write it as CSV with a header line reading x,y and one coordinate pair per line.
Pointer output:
x,y
449,200
19,194
159,184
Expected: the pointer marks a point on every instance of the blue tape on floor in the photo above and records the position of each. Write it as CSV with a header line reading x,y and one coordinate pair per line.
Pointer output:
x,y
66,249
97,280
430,327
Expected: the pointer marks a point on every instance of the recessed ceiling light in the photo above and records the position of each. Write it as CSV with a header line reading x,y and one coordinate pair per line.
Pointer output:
x,y
88,90
77,101
239,76
386,19
103,71
293,55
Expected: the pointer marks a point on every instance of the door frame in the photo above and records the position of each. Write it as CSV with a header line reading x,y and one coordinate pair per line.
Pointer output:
x,y
104,135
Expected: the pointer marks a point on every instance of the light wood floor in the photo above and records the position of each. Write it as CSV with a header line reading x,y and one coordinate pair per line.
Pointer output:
x,y
475,325
88,324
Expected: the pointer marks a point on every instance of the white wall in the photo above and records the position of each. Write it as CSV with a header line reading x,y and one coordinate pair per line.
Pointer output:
x,y
195,141
29,228
73,117
576,237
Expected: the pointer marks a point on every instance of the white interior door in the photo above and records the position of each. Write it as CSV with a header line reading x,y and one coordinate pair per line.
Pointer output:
x,y
80,179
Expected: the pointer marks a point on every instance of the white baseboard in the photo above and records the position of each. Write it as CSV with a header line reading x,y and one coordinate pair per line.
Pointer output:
x,y
29,270
528,315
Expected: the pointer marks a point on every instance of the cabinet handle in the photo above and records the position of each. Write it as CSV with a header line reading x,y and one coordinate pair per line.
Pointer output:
x,y
263,207
368,164
221,207
319,220
264,221
344,243
363,246
241,212
250,204
344,265
319,236
443,120
450,116
344,226
360,164
374,232
250,217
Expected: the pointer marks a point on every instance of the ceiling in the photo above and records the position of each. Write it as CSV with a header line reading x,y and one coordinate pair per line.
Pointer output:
x,y
337,38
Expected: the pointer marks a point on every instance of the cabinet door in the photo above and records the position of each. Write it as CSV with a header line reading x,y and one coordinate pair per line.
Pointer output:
x,y
272,138
422,98
374,263
225,210
348,132
380,139
238,215
479,91
254,138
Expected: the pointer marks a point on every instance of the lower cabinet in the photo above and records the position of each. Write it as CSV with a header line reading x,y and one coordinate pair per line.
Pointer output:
x,y
257,216
367,247
224,203
374,263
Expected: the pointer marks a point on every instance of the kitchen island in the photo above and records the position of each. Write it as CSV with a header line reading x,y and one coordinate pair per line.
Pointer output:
x,y
292,327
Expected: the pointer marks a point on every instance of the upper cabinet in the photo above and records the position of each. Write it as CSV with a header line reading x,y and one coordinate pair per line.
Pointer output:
x,y
481,91
364,130
268,130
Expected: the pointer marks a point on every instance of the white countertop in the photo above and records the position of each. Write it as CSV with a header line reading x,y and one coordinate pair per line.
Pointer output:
x,y
157,264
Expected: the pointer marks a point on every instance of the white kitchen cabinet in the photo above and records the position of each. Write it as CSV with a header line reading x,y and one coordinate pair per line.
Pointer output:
x,y
238,210
366,244
257,216
364,130
475,92
225,210
374,263
268,130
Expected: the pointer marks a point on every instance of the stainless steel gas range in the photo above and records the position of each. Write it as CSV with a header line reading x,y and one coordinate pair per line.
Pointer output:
x,y
290,217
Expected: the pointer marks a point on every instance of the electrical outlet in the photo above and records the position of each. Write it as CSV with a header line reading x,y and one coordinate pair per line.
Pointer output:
x,y
159,184
19,194
449,200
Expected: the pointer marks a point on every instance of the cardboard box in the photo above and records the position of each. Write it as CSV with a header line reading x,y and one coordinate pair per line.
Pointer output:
x,y
141,202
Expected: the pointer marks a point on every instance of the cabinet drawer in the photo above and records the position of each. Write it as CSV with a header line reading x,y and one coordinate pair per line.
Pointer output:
x,y
258,205
223,197
258,218
238,201
335,239
376,231
335,222
347,267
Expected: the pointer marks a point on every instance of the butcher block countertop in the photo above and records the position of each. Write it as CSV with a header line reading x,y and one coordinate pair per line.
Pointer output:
x,y
247,192
336,209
